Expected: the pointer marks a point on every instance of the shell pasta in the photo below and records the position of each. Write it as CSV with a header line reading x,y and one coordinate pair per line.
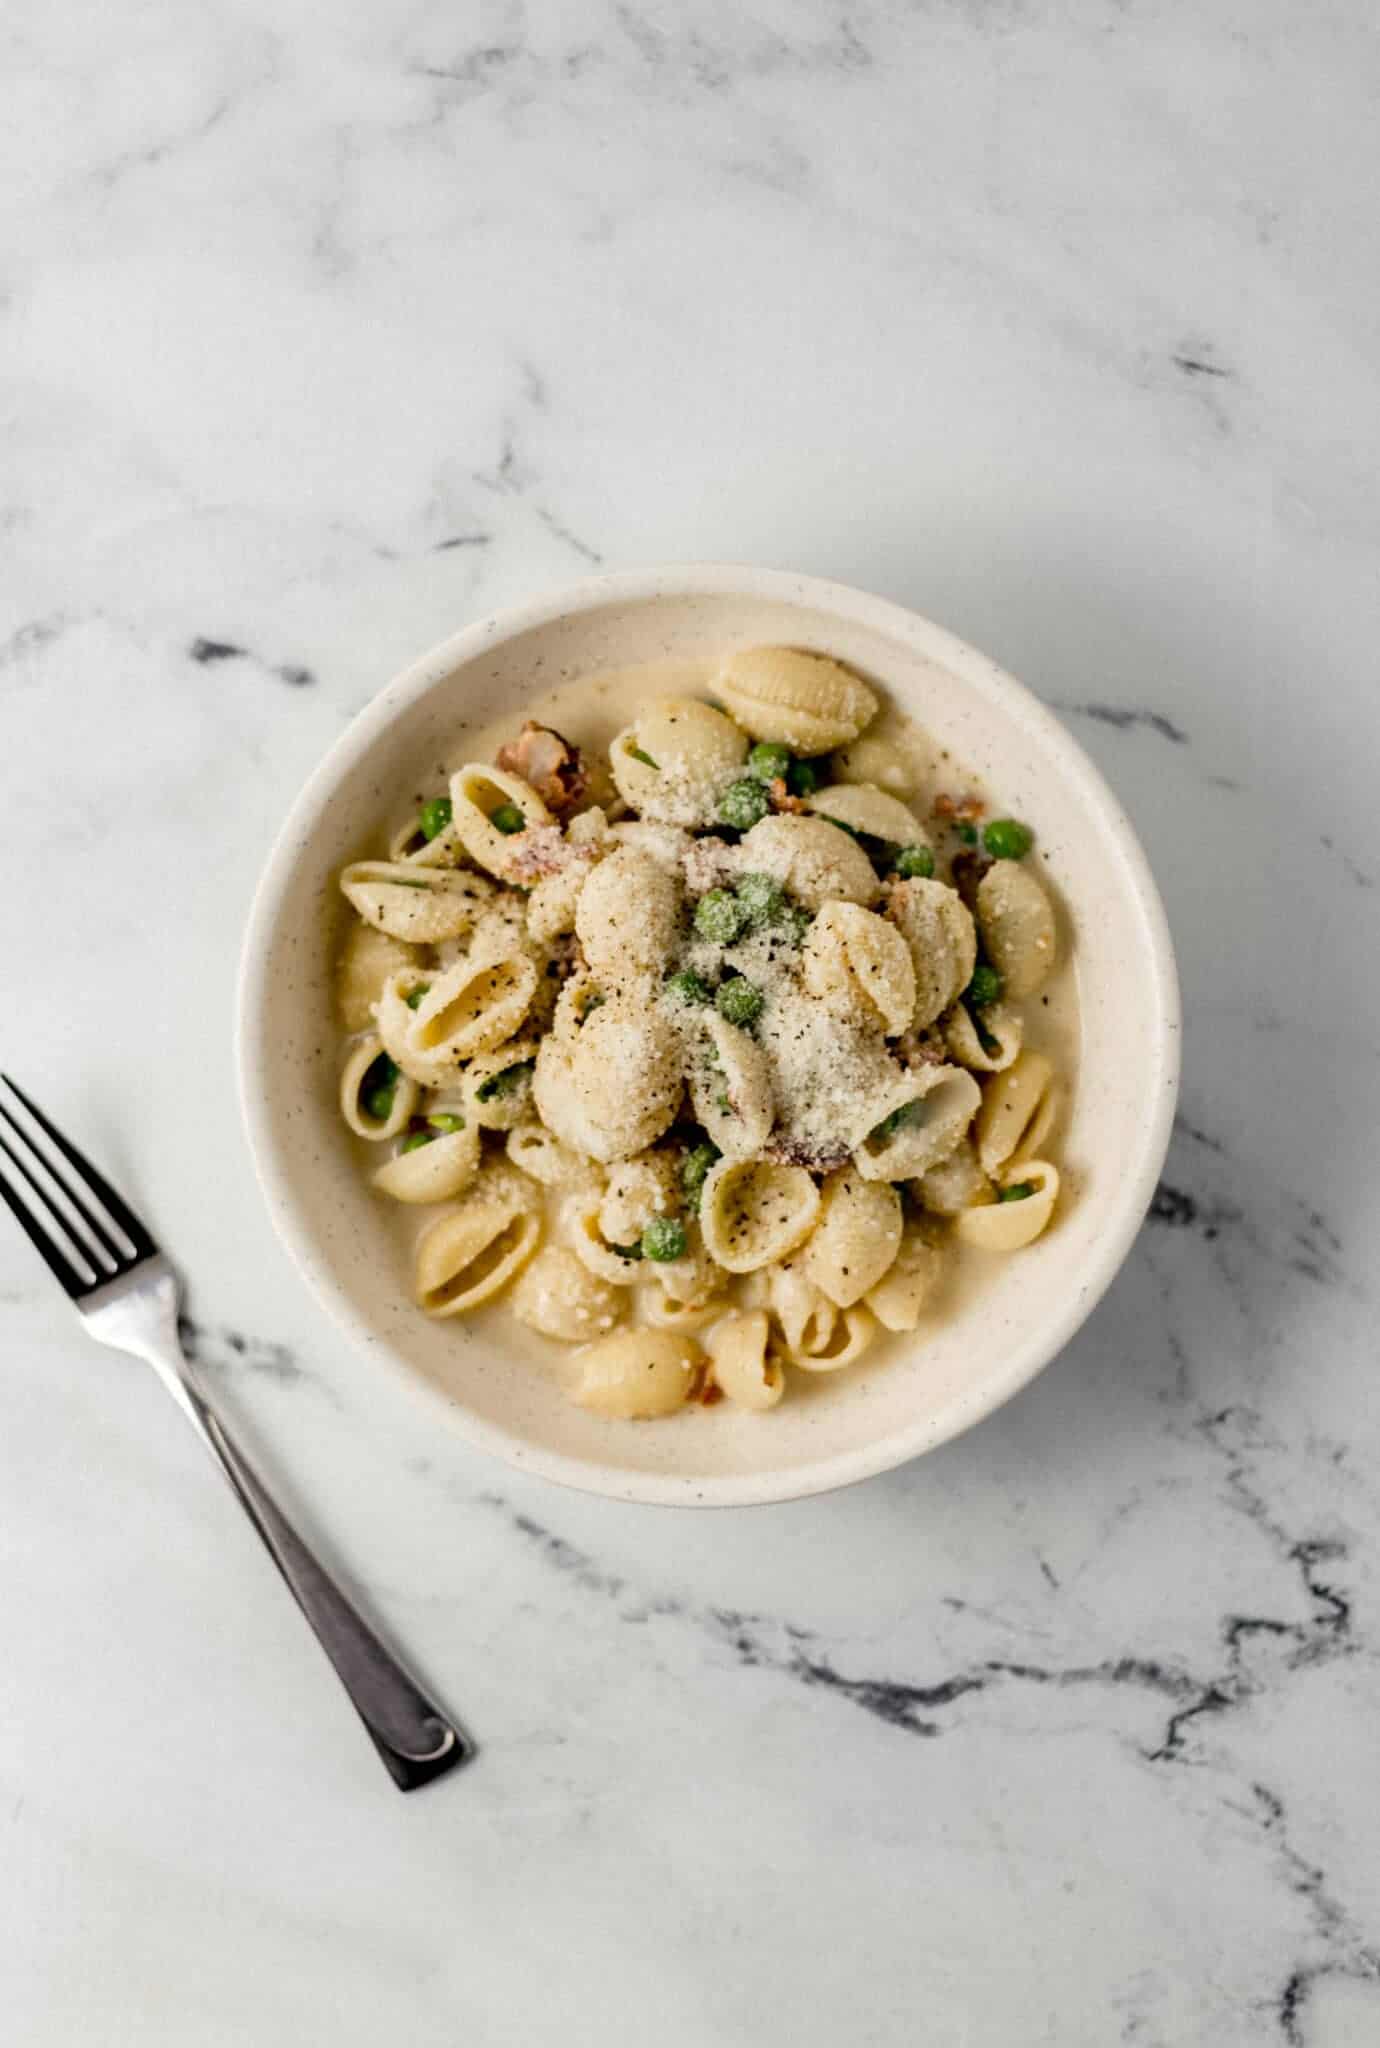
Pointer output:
x,y
708,1045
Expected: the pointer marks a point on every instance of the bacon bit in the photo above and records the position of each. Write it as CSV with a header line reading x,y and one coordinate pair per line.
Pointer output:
x,y
968,869
921,1049
550,762
781,798
969,808
707,863
795,1152
543,850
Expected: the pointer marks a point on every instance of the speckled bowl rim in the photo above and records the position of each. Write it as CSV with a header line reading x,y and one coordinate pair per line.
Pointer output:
x,y
1060,752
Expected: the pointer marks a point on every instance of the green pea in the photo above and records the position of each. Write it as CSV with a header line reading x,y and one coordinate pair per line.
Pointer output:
x,y
507,818
689,987
695,1170
435,816
414,996
664,1238
739,1001
886,1130
803,778
768,761
719,916
1007,839
914,860
1019,1191
985,987
443,1123
416,1138
762,899
636,754
376,1090
966,831
743,805
794,923
505,1083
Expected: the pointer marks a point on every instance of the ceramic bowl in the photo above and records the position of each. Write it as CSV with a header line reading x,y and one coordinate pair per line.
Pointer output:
x,y
837,1428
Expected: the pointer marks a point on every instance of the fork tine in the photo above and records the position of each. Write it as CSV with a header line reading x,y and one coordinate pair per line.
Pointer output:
x,y
93,1223
64,1223
65,1273
144,1246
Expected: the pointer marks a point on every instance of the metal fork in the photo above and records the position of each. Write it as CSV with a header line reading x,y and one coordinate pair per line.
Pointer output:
x,y
127,1298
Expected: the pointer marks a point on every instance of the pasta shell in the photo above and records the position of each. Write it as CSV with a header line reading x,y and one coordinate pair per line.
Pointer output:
x,y
688,1279
852,1333
434,1172
476,792
1005,1226
664,1312
396,1024
495,1089
811,858
805,1315
500,933
616,1088
471,1008
856,1238
938,928
860,965
420,905
404,1104
954,1184
618,1263
368,958
561,1298
890,764
667,845
986,1045
1016,919
743,1367
935,1106
627,916
637,1374
676,762
551,905
637,1190
752,1212
865,808
472,1251
540,1153
805,701
1016,1112
411,844
730,1087
902,1294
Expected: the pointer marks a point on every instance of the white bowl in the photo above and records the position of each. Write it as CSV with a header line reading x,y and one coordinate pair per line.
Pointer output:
x,y
837,1428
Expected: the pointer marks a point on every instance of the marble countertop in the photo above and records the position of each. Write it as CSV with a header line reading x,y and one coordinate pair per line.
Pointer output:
x,y
324,335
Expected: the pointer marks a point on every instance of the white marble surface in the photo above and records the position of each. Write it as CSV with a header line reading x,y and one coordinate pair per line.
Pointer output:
x,y
323,333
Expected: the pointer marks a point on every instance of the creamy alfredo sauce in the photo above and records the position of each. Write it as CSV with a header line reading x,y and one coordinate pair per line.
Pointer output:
x,y
590,712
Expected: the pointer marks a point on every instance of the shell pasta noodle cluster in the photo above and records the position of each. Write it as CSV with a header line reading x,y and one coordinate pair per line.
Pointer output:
x,y
710,1048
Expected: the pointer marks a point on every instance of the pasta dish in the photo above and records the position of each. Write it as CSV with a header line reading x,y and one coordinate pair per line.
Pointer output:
x,y
707,1046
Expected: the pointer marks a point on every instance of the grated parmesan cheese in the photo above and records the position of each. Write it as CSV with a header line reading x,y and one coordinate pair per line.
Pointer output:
x,y
827,1075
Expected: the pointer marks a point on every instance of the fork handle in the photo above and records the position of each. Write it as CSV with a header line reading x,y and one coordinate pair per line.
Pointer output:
x,y
414,1738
